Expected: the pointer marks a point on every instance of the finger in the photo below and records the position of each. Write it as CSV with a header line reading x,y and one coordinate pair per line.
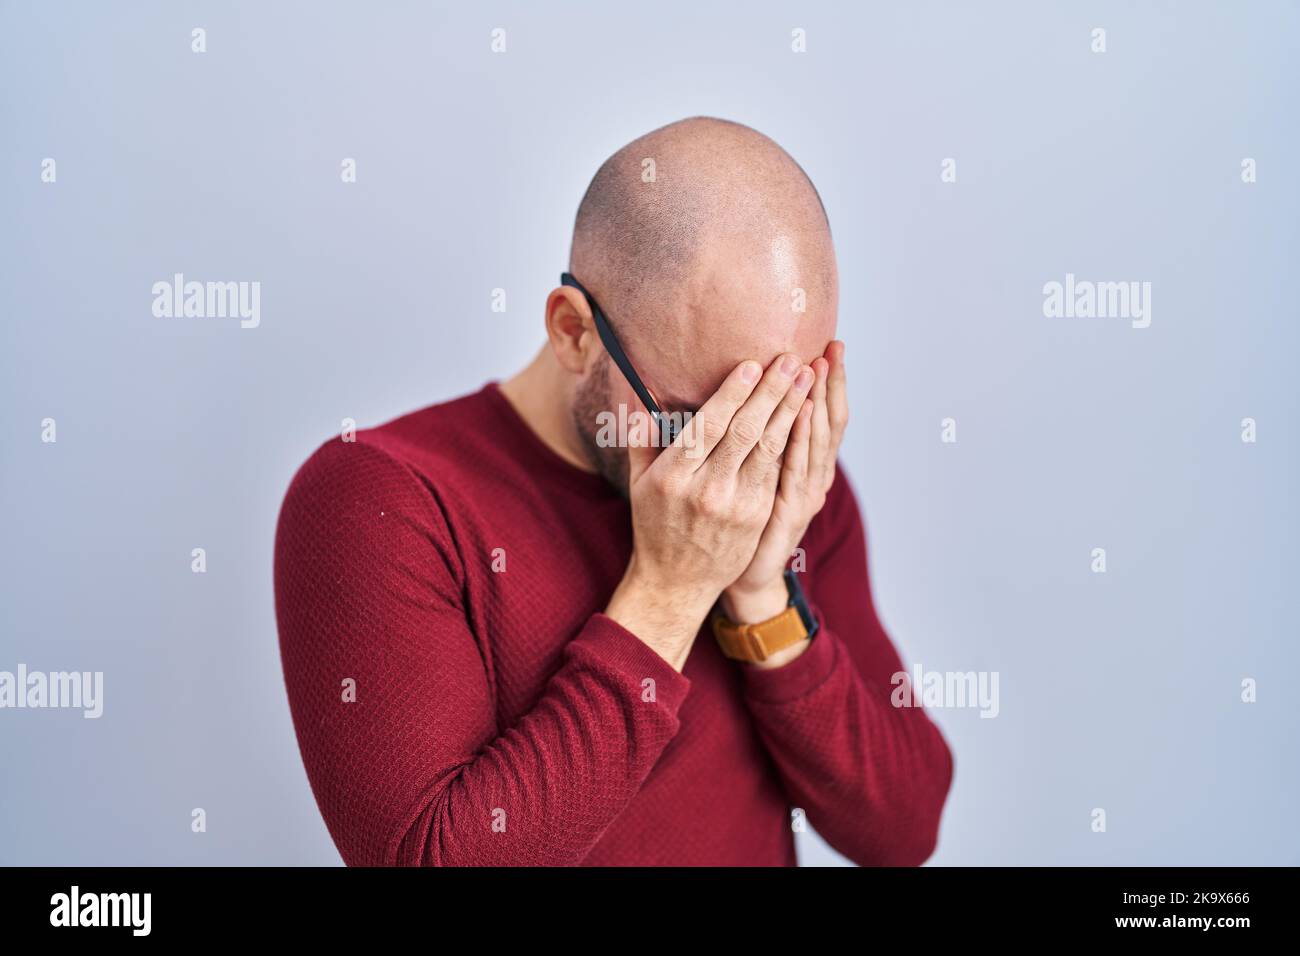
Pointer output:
x,y
751,419
837,394
707,427
763,461
794,467
821,429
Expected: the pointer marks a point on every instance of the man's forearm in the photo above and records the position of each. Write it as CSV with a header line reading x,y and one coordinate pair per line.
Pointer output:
x,y
667,619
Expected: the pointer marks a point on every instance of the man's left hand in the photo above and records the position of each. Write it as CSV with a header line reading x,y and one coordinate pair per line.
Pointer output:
x,y
807,472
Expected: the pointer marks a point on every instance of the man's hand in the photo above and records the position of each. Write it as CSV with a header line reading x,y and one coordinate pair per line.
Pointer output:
x,y
807,472
700,507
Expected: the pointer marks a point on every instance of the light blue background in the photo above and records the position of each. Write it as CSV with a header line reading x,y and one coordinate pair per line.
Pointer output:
x,y
1118,691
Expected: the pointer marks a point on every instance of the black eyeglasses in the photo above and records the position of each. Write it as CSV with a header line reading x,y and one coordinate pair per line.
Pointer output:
x,y
669,424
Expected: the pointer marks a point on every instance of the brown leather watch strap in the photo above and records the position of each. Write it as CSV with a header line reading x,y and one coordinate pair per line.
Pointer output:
x,y
758,642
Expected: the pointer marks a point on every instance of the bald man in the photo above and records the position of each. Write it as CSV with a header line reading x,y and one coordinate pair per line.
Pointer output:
x,y
515,635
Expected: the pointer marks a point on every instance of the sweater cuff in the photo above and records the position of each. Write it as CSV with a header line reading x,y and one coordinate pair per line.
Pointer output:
x,y
607,642
800,677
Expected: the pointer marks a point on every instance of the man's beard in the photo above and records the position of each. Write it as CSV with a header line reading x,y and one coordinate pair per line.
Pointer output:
x,y
591,398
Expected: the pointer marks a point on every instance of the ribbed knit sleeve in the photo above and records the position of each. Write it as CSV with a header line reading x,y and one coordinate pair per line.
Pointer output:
x,y
391,697
871,777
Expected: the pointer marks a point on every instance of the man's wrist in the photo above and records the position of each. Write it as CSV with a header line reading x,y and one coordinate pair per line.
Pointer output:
x,y
667,619
754,606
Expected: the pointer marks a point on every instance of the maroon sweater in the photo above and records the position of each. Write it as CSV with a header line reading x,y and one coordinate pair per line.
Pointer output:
x,y
448,571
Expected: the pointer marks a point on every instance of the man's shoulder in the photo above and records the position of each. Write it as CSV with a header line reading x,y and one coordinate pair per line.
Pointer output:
x,y
445,432
840,515
438,445
840,497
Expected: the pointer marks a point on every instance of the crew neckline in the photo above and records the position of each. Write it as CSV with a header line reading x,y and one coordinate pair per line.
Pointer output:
x,y
543,454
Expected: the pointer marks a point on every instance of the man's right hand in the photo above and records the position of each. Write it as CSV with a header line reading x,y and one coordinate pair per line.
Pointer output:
x,y
700,506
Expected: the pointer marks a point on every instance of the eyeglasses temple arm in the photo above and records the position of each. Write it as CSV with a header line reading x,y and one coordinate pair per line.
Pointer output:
x,y
606,333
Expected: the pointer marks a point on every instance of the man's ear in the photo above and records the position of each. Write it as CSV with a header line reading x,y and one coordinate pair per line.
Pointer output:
x,y
571,329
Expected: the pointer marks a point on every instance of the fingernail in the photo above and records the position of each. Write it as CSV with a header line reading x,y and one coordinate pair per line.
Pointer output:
x,y
788,365
749,372
804,378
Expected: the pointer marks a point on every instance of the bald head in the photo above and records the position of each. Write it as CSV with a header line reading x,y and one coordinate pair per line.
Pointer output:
x,y
706,244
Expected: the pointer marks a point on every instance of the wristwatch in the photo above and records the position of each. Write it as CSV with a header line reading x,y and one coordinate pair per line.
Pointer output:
x,y
758,642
